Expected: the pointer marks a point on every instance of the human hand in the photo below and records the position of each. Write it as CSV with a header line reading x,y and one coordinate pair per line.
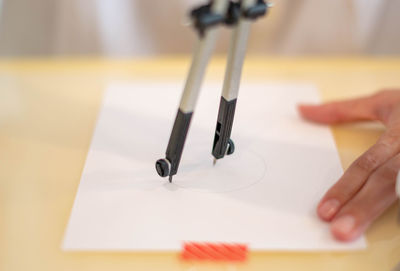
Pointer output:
x,y
367,187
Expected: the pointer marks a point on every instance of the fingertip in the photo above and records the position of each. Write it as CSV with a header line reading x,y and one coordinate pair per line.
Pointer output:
x,y
306,108
303,109
315,113
301,106
345,229
327,209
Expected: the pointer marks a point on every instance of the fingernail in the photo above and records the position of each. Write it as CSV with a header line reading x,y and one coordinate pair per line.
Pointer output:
x,y
343,225
329,208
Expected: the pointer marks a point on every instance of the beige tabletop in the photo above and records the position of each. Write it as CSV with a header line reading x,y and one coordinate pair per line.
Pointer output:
x,y
48,110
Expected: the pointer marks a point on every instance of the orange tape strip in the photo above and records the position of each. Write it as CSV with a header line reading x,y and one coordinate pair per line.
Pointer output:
x,y
214,251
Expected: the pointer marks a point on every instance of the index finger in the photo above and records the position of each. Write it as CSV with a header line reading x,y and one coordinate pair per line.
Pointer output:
x,y
342,111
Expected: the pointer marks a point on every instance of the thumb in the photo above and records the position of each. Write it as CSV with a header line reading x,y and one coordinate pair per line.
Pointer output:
x,y
342,111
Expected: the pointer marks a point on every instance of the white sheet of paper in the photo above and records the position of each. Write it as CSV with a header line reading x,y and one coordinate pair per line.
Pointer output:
x,y
263,195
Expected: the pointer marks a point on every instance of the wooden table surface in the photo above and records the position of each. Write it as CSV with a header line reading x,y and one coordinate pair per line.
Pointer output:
x,y
48,109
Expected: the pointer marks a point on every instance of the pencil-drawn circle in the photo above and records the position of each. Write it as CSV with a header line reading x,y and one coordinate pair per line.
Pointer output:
x,y
234,172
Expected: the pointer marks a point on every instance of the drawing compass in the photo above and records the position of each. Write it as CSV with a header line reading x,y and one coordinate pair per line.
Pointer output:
x,y
206,19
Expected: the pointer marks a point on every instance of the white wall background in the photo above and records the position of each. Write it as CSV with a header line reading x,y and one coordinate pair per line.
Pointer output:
x,y
147,27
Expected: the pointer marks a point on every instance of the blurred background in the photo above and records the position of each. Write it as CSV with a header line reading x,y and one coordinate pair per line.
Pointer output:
x,y
120,28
